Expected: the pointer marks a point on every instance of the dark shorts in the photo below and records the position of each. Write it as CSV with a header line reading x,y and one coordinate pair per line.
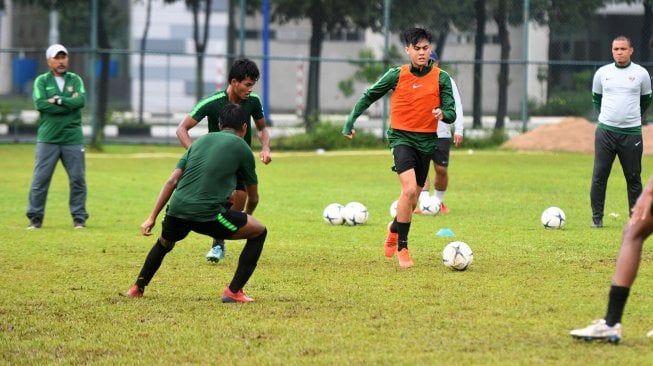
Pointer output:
x,y
175,229
407,158
441,154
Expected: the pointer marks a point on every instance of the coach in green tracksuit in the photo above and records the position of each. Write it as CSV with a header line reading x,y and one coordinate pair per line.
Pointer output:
x,y
59,96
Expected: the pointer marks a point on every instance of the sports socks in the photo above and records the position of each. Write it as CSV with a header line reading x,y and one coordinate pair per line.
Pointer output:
x,y
423,195
247,261
616,303
402,230
152,263
439,195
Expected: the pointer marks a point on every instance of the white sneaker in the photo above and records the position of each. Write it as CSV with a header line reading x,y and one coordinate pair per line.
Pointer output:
x,y
599,330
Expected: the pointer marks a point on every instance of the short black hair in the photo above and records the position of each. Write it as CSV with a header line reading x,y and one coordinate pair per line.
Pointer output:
x,y
243,68
414,35
232,116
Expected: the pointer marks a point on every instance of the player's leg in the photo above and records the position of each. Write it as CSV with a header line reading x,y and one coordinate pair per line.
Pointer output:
x,y
609,328
630,156
172,231
238,200
441,164
72,158
604,155
235,225
46,157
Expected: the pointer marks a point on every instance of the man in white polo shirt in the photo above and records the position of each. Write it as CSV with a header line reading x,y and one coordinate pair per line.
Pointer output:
x,y
621,91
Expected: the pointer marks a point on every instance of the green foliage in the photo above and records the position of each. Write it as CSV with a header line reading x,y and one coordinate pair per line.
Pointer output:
x,y
571,103
327,136
325,295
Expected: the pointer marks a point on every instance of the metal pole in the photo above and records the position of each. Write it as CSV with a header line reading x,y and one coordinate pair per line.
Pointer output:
x,y
91,90
386,62
266,60
524,102
241,31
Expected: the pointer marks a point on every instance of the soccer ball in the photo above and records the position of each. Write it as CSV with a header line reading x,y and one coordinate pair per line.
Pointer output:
x,y
457,255
430,206
393,209
355,213
553,218
333,214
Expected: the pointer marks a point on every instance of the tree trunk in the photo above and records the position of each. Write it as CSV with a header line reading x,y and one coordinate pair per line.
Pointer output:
x,y
500,17
313,93
103,84
479,41
141,65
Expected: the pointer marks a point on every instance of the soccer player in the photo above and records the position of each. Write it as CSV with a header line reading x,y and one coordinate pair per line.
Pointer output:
x,y
638,229
422,96
441,155
203,182
242,77
621,91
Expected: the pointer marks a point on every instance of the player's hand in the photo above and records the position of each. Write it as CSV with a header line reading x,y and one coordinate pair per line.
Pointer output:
x,y
146,227
437,113
265,157
351,135
457,140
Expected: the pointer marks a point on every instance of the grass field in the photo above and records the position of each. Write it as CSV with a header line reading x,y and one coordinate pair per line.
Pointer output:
x,y
325,295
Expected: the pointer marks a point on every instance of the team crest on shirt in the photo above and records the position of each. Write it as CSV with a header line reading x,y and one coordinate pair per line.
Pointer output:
x,y
70,88
631,78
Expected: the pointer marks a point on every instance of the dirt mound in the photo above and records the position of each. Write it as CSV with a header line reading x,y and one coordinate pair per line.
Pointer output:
x,y
570,134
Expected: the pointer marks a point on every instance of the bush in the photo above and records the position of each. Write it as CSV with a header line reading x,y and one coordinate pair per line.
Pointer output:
x,y
566,104
328,136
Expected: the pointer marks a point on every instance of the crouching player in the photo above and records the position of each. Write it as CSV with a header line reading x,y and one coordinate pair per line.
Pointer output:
x,y
202,182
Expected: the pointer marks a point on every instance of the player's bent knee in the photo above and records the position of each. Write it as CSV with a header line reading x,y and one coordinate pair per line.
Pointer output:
x,y
168,244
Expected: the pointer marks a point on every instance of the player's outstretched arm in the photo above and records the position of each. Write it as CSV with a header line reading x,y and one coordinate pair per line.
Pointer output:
x,y
182,131
161,201
264,137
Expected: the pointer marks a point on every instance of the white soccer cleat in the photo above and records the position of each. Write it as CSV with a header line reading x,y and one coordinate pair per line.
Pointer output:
x,y
599,330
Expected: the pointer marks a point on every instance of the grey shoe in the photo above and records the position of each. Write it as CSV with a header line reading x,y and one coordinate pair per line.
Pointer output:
x,y
597,224
79,224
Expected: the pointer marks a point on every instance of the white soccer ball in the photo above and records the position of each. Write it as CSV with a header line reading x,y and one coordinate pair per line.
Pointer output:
x,y
430,206
393,209
457,255
355,213
333,214
553,218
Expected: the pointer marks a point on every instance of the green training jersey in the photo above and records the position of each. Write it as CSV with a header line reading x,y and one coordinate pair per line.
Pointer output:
x,y
210,166
211,106
59,123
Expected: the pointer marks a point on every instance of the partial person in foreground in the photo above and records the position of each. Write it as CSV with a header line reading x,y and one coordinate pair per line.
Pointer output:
x,y
59,96
243,75
442,152
421,97
203,182
638,229
621,91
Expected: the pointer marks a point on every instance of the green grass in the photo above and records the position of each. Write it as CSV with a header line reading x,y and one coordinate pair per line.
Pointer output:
x,y
325,295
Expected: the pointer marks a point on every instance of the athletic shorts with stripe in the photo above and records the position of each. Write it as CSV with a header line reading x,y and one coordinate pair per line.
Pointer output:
x,y
223,227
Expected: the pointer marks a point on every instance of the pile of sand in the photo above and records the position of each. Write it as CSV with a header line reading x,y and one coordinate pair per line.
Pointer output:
x,y
570,134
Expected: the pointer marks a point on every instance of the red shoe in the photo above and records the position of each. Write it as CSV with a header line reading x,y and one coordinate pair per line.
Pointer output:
x,y
404,258
390,245
443,208
134,291
230,297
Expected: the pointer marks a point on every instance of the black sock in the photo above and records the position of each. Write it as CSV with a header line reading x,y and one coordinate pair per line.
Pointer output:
x,y
402,229
247,261
616,303
152,263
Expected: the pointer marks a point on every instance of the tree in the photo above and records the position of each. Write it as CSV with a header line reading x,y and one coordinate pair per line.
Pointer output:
x,y
200,36
141,61
325,16
479,42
